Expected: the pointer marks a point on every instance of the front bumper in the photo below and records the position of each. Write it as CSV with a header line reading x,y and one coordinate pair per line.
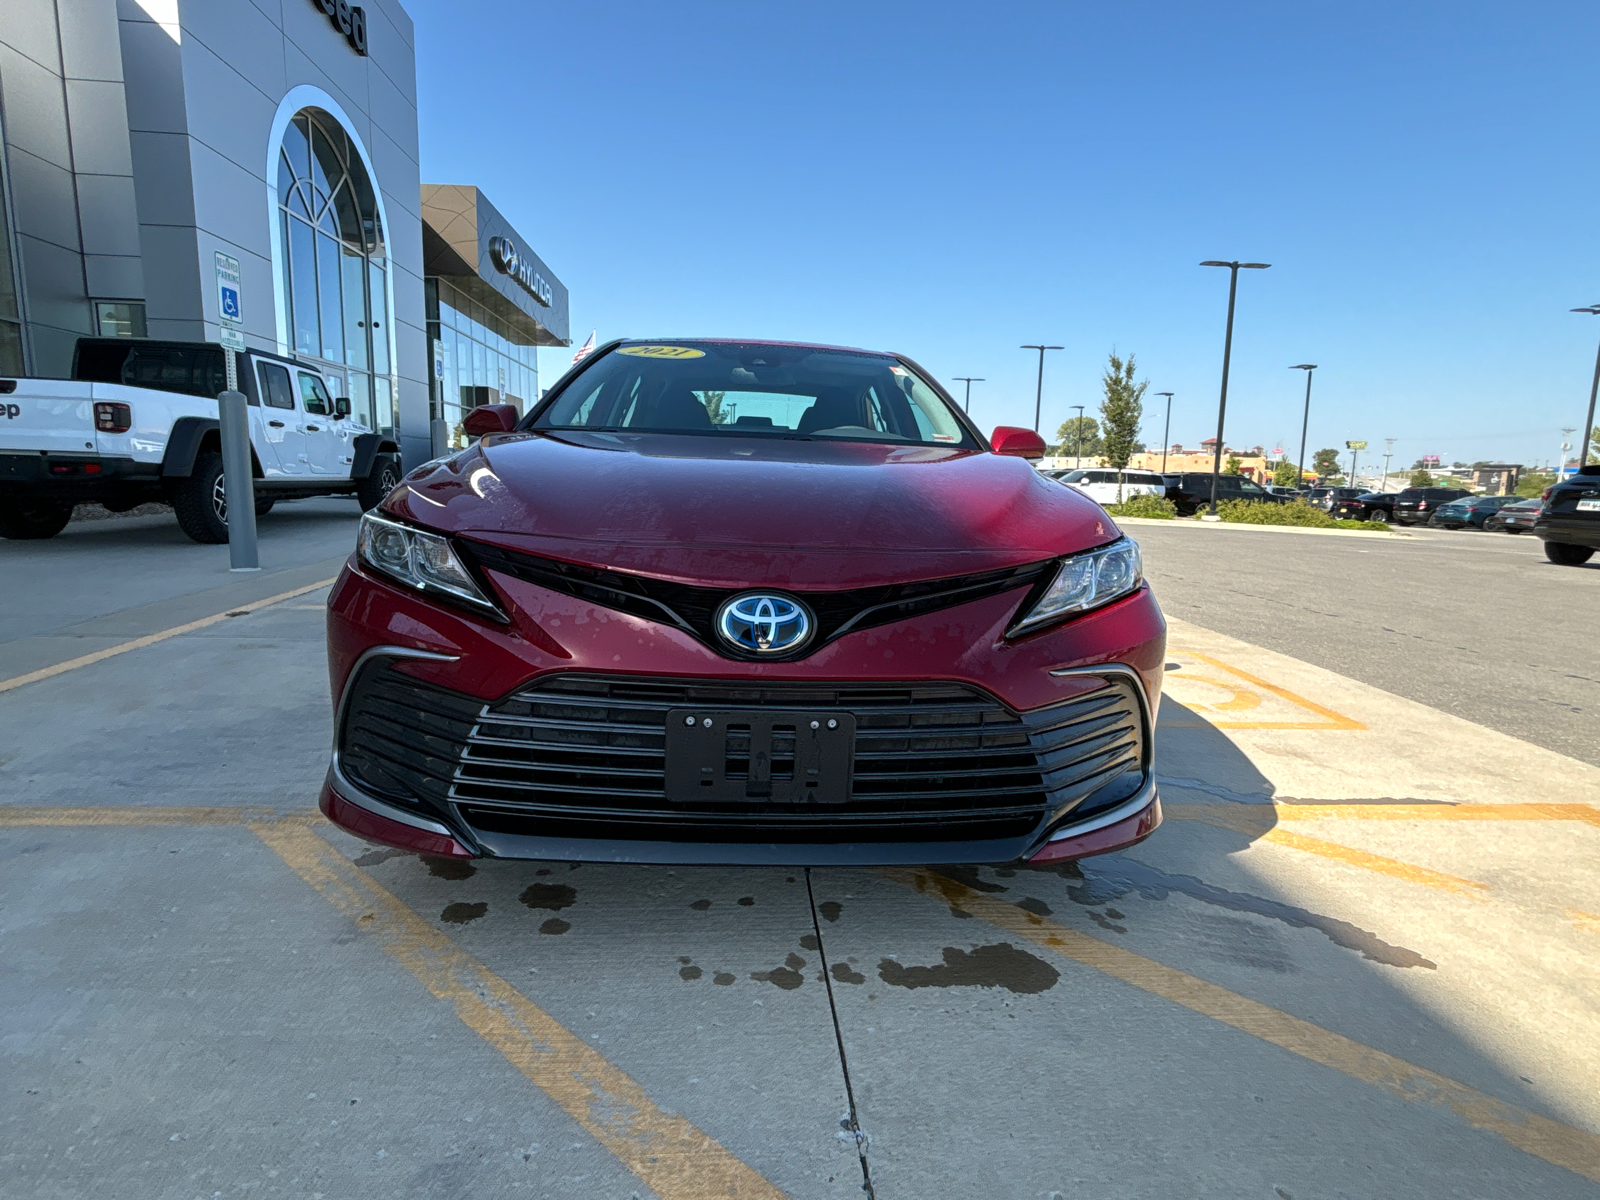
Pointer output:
x,y
471,785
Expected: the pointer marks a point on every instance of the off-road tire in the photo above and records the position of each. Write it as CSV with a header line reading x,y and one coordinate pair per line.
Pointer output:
x,y
32,520
200,502
1564,554
380,481
264,504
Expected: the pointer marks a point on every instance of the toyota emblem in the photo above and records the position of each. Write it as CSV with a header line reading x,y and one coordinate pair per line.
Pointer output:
x,y
764,623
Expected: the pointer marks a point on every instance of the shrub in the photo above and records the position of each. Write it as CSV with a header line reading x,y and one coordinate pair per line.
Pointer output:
x,y
1262,512
1158,507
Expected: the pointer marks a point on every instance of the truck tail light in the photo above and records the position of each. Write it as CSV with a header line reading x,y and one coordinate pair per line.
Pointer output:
x,y
110,417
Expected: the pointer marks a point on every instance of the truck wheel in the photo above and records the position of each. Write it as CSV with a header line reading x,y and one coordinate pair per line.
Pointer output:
x,y
1566,555
33,520
263,504
380,481
200,503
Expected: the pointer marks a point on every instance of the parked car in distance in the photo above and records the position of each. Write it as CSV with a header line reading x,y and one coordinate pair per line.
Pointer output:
x,y
1368,506
1416,506
1287,492
1569,520
1192,491
1514,518
1100,484
1468,513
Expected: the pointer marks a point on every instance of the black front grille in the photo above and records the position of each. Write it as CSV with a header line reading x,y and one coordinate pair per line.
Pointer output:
x,y
693,609
583,756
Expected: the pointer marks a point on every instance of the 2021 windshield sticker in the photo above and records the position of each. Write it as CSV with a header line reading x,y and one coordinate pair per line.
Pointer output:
x,y
662,351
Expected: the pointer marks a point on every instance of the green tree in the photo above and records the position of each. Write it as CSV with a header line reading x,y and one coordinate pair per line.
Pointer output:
x,y
1069,434
713,402
1421,478
1233,465
1286,474
1326,465
1594,443
1121,411
1533,484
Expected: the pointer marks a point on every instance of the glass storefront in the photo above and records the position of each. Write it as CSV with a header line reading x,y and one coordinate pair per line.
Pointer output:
x,y
478,359
10,313
334,265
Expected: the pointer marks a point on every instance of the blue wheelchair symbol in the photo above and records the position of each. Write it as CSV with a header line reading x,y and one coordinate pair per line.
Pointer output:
x,y
230,304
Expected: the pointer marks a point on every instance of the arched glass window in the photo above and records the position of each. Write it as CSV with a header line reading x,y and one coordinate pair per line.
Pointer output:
x,y
333,270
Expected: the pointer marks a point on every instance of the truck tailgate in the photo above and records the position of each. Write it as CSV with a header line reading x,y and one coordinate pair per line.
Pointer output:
x,y
48,414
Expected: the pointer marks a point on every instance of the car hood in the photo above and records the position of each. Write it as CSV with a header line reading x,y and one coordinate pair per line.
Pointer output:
x,y
741,512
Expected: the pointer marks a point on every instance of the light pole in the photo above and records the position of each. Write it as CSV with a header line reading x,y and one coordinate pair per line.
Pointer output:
x,y
1388,453
1077,458
1038,395
1588,421
969,380
1166,431
1566,444
1227,354
1305,423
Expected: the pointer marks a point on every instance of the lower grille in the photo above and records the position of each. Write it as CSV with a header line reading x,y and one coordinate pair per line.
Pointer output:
x,y
583,756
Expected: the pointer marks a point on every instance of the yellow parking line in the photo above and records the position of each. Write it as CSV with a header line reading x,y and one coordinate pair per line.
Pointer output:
x,y
1587,922
1552,1141
671,1156
1258,822
150,639
1586,813
1331,719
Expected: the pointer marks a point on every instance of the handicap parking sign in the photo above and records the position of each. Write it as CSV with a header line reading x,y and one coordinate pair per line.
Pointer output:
x,y
228,306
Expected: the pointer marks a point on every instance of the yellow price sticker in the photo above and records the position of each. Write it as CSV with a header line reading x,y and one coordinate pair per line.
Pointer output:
x,y
661,351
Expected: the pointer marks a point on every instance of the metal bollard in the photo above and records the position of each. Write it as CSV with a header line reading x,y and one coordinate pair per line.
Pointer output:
x,y
233,419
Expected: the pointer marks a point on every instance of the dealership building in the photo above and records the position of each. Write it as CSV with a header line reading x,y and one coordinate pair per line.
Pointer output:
x,y
185,169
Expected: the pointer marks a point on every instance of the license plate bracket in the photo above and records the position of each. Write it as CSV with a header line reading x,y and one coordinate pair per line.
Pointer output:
x,y
759,756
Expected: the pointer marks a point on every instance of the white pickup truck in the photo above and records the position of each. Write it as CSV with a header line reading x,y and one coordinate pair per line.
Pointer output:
x,y
138,422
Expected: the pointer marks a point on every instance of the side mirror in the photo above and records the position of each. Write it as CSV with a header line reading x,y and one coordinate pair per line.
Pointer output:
x,y
341,407
1017,442
490,418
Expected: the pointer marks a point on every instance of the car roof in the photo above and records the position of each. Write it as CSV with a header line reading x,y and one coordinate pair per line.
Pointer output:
x,y
726,341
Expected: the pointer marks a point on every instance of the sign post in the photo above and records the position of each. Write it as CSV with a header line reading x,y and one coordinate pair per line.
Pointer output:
x,y
1354,447
233,421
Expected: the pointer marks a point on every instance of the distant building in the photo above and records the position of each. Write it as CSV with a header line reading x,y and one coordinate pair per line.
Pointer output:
x,y
1252,466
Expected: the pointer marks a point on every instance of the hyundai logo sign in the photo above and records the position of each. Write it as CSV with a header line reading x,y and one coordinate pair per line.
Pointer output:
x,y
503,254
764,623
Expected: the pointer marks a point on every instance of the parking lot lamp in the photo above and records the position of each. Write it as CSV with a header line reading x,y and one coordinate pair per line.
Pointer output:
x,y
1038,395
969,380
1227,353
1305,421
1166,431
1077,457
1588,421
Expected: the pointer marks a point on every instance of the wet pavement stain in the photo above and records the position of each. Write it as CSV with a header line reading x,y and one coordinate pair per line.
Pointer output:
x,y
1038,907
830,910
460,914
690,973
843,973
1113,878
449,868
960,914
787,977
746,901
553,896
373,857
1001,965
722,979
970,877
808,941
701,905
555,925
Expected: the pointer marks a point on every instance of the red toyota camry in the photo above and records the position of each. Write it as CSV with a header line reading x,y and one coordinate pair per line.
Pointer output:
x,y
743,602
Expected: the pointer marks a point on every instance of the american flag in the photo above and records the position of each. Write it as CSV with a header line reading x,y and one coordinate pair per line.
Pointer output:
x,y
584,350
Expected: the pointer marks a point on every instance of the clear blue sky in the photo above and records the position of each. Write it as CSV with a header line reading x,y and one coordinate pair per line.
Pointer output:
x,y
951,181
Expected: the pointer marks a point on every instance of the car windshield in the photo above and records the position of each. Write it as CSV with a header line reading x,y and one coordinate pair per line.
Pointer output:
x,y
752,389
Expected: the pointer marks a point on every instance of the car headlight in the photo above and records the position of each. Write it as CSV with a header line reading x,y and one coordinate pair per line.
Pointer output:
x,y
1086,581
425,561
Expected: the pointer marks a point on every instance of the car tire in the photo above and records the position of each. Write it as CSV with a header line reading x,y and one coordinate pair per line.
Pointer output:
x,y
1564,554
27,520
380,481
1378,515
200,503
264,504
